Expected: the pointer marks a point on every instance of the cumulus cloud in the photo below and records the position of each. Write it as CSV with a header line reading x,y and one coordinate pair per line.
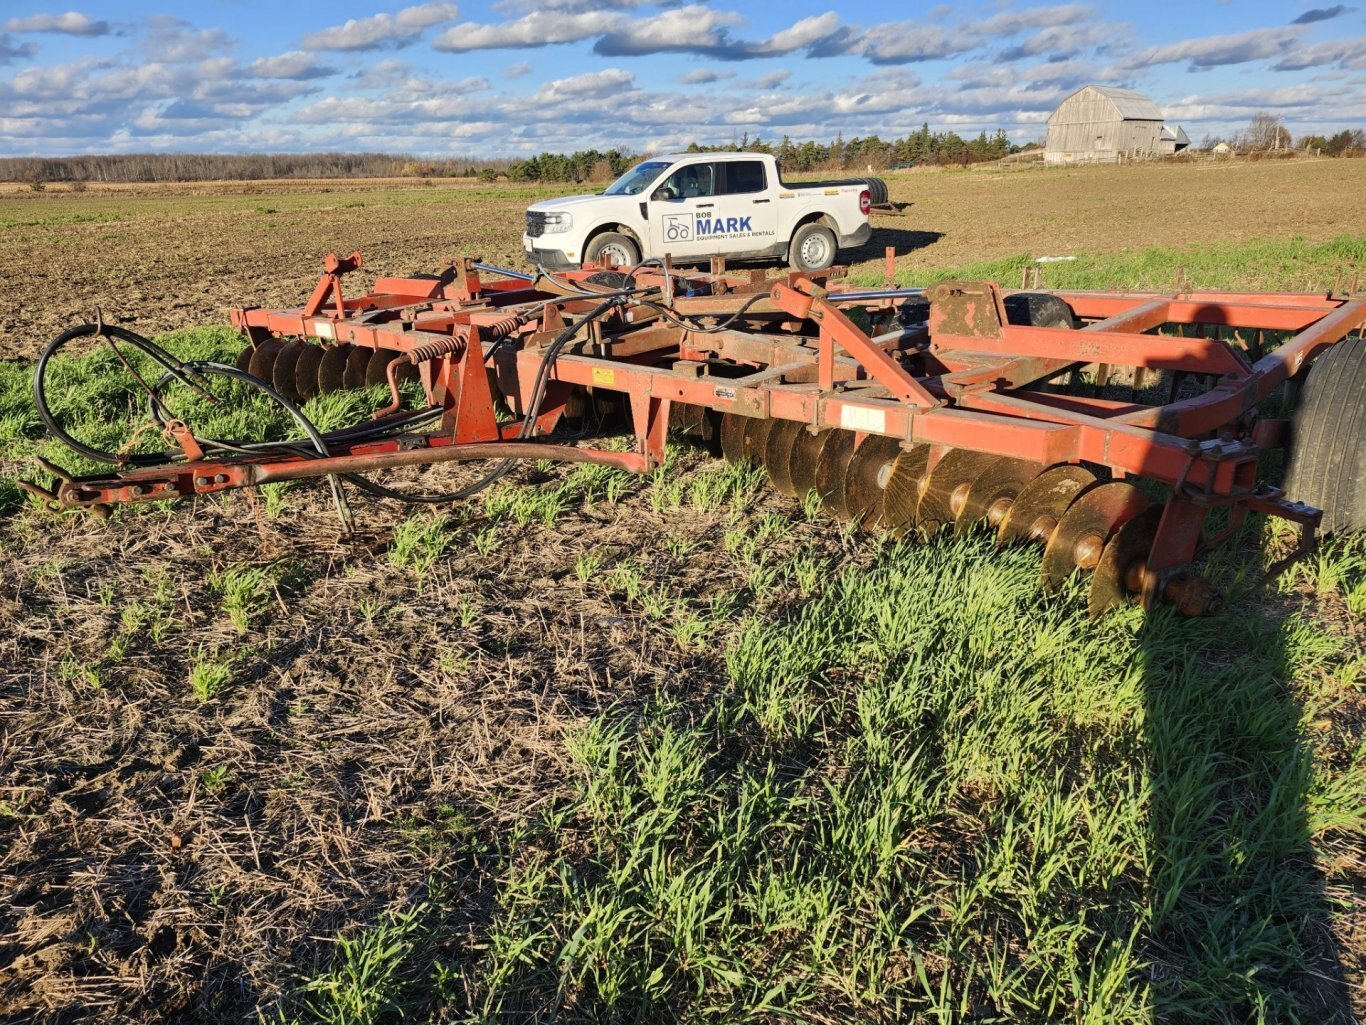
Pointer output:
x,y
519,70
1059,43
72,23
1321,14
540,28
909,42
1349,54
381,30
609,82
1218,51
694,28
171,39
296,65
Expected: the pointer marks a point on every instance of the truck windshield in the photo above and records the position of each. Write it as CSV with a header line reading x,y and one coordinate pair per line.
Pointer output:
x,y
637,179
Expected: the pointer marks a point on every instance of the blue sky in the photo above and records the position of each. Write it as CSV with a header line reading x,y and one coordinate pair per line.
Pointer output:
x,y
508,77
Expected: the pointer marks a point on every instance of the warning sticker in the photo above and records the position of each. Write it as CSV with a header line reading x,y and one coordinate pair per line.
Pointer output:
x,y
603,377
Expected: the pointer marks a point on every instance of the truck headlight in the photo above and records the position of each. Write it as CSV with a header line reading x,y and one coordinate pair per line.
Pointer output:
x,y
558,222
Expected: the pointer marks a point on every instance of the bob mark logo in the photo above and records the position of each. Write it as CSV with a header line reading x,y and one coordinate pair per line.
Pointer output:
x,y
686,227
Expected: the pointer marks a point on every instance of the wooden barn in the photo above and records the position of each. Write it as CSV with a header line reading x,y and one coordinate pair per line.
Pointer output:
x,y
1098,124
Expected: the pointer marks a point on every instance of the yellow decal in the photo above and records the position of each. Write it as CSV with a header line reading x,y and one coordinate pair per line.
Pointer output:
x,y
832,192
603,377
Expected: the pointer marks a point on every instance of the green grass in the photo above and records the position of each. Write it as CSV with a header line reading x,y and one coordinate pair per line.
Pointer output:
x,y
1293,264
924,792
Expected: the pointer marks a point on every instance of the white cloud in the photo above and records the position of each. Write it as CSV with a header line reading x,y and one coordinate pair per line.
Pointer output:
x,y
71,23
1217,51
540,28
382,29
695,28
518,70
296,64
609,82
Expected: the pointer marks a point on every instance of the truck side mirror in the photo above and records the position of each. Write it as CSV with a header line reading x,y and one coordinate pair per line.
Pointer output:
x,y
662,193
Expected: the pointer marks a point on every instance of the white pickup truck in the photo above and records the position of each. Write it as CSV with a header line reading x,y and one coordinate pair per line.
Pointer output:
x,y
692,206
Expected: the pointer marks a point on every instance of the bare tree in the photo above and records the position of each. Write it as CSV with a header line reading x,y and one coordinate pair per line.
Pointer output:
x,y
1266,131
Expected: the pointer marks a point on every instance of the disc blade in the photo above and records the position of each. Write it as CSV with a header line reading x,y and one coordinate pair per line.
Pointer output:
x,y
709,429
1089,522
991,494
306,371
243,361
357,362
733,437
778,454
685,417
756,439
947,489
832,470
377,370
1126,552
806,455
869,470
901,497
332,369
286,363
262,362
1041,503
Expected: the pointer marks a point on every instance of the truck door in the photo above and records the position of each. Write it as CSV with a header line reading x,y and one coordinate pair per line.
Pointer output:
x,y
681,215
747,203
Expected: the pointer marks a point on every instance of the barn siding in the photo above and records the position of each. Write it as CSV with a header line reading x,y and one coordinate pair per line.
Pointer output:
x,y
1087,127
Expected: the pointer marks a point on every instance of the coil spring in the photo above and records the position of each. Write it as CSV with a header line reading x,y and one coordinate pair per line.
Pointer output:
x,y
456,343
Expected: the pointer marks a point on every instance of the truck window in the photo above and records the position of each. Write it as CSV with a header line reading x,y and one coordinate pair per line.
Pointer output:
x,y
637,179
744,176
691,181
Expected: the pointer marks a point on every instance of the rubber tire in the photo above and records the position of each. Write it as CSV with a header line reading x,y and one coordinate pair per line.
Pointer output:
x,y
1326,465
799,237
1038,309
598,243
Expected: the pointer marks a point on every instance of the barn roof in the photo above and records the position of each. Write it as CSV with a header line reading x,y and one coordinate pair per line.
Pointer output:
x,y
1132,106
1175,133
1128,104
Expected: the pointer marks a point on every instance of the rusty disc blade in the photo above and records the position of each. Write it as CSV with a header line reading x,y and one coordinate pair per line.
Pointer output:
x,y
243,361
357,363
1041,503
1090,521
901,497
869,470
756,439
685,417
993,491
306,371
733,437
806,455
832,470
778,454
1131,544
332,369
286,363
377,370
262,362
947,489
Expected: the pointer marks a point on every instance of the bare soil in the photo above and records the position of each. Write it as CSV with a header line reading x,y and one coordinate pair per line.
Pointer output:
x,y
166,256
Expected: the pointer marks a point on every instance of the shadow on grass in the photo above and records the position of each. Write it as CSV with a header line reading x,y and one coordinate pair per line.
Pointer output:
x,y
1239,926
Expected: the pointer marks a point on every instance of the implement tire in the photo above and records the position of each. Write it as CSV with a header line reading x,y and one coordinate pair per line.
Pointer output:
x,y
1326,465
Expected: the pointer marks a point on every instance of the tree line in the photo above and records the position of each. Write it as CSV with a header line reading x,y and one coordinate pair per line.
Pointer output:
x,y
1267,133
190,167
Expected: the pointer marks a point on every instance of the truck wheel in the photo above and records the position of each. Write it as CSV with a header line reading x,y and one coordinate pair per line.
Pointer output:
x,y
1327,462
813,248
610,244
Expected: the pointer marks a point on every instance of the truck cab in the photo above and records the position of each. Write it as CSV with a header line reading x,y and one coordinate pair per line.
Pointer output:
x,y
693,206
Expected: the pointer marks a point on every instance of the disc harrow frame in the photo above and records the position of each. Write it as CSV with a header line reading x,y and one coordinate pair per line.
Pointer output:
x,y
944,392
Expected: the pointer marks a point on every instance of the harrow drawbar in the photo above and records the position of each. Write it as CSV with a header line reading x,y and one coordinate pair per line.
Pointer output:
x,y
1108,428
